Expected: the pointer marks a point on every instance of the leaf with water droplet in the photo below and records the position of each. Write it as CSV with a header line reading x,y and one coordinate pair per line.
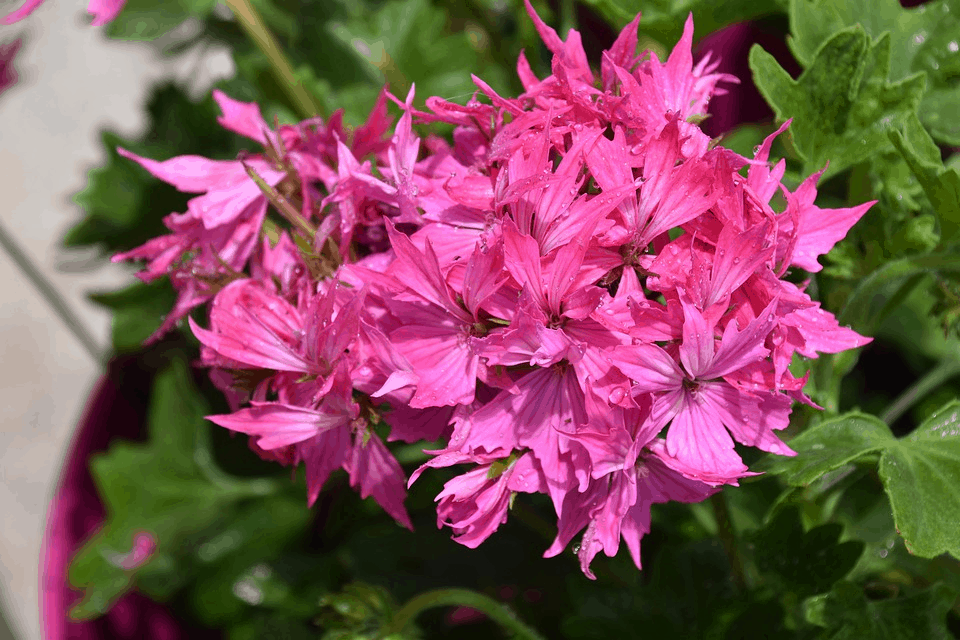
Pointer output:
x,y
920,472
842,105
922,39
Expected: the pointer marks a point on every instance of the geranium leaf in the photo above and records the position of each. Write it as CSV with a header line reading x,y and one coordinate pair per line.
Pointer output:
x,y
804,562
921,39
138,310
941,185
847,614
163,489
920,472
864,309
842,105
829,446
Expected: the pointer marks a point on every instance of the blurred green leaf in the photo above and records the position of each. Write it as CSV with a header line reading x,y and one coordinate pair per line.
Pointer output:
x,y
847,614
842,105
664,18
165,487
803,562
138,311
878,293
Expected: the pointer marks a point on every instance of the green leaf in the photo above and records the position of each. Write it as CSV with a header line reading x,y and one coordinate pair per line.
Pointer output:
x,y
920,472
803,562
842,105
828,446
150,19
922,39
166,487
879,292
138,311
941,185
407,41
847,614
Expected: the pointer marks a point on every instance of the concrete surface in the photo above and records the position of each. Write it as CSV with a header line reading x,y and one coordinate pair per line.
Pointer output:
x,y
73,82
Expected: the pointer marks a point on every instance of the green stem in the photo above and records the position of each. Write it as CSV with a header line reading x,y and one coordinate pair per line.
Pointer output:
x,y
496,611
49,293
728,539
252,23
946,369
281,204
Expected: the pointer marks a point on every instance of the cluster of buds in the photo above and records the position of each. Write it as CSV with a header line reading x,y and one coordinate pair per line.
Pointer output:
x,y
580,295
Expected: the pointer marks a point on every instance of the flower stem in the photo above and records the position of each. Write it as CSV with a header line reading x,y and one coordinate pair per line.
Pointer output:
x,y
281,204
252,23
496,611
49,293
728,539
946,369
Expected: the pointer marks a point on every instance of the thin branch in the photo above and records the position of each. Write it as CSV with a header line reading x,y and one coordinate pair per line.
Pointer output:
x,y
49,293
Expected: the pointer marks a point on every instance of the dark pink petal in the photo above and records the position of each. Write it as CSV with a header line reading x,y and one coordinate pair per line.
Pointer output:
x,y
374,469
623,53
322,455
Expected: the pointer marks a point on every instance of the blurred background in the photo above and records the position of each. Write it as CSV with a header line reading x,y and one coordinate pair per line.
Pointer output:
x,y
73,82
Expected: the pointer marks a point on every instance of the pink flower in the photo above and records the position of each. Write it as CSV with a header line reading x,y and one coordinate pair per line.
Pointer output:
x,y
103,11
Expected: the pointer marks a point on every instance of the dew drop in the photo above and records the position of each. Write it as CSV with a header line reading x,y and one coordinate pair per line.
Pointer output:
x,y
616,395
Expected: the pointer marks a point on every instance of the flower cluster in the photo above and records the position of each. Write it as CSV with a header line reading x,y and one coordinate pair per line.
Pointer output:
x,y
581,295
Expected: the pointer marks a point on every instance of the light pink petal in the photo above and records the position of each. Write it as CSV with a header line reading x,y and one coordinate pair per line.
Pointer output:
x,y
522,260
25,10
739,349
649,366
819,229
445,366
192,174
752,420
241,117
821,332
104,10
697,348
698,439
738,256
278,425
